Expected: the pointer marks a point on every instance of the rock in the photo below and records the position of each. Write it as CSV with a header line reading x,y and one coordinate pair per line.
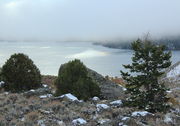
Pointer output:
x,y
44,111
6,93
25,109
37,92
2,83
122,124
22,119
104,122
9,117
45,96
95,98
168,119
70,97
109,89
102,107
45,85
125,118
41,123
79,121
141,113
171,78
116,103
61,123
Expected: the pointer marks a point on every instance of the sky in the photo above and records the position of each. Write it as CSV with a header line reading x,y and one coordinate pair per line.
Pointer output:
x,y
87,20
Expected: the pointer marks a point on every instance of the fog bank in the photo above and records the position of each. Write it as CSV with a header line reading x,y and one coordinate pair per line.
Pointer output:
x,y
87,20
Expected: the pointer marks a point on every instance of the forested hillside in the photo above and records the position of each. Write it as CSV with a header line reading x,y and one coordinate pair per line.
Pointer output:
x,y
171,43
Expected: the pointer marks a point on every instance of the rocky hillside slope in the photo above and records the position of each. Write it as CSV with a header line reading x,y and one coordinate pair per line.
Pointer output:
x,y
40,108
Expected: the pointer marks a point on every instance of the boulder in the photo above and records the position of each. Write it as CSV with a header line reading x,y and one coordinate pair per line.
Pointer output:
x,y
37,92
109,89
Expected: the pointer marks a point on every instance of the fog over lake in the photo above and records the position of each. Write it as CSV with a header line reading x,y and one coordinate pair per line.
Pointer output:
x,y
48,56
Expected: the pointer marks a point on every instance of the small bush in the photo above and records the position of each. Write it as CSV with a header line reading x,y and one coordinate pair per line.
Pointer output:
x,y
20,73
73,78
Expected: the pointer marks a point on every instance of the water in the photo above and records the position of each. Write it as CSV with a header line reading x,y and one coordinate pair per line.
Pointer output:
x,y
48,56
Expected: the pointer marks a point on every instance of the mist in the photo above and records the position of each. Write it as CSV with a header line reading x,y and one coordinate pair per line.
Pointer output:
x,y
87,20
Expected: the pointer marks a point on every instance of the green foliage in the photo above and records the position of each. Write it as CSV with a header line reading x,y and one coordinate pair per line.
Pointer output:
x,y
148,63
20,73
73,78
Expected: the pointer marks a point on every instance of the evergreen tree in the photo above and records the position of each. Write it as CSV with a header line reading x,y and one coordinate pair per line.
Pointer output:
x,y
73,78
148,63
20,73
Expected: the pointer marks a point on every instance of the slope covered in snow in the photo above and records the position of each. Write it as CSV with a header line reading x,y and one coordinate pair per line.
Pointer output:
x,y
174,72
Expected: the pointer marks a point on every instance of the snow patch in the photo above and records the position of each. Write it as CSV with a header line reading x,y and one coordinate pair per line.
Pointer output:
x,y
60,122
174,72
124,89
95,98
45,96
45,112
22,119
125,118
32,90
122,124
2,83
102,121
6,93
140,113
168,119
79,121
169,91
41,123
70,97
116,103
45,85
101,106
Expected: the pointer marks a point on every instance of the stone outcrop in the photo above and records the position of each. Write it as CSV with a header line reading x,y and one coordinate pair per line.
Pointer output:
x,y
109,89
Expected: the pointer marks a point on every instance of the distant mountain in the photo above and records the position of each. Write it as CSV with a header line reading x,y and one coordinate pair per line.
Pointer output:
x,y
172,43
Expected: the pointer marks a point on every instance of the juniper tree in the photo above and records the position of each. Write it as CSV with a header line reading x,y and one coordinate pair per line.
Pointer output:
x,y
20,73
73,78
144,89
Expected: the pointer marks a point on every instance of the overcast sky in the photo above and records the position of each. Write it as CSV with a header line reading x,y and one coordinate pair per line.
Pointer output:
x,y
64,20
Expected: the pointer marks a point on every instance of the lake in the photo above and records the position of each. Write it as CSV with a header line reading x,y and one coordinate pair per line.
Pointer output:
x,y
48,56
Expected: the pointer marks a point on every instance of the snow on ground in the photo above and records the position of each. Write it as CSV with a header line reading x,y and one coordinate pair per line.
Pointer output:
x,y
101,106
174,72
116,103
1,83
79,121
6,93
102,121
32,90
125,118
60,122
45,85
124,89
70,97
95,98
122,124
140,113
41,123
167,118
46,96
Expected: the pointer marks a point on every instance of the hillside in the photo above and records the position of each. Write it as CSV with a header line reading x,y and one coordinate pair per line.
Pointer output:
x,y
39,107
171,43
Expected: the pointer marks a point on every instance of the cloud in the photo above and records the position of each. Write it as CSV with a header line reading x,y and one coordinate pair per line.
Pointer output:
x,y
66,20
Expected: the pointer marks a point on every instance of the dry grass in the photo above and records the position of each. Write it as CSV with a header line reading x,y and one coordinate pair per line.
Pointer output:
x,y
32,116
